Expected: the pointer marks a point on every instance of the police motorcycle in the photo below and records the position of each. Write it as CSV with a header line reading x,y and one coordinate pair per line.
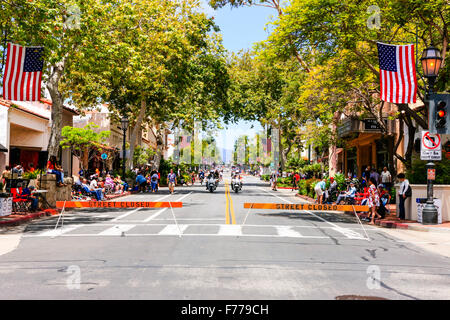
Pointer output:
x,y
211,182
236,182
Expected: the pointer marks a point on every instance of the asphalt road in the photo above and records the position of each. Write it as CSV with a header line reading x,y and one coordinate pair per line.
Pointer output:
x,y
209,253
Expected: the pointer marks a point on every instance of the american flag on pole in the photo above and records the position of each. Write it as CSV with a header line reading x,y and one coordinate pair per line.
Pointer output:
x,y
398,83
23,73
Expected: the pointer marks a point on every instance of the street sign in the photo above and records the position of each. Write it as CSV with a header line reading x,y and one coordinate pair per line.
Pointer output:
x,y
431,174
431,147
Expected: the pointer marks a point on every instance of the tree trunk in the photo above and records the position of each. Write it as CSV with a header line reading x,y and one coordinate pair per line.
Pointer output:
x,y
332,150
57,108
159,148
134,133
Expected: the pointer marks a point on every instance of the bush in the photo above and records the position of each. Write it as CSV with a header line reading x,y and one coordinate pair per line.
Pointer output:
x,y
266,177
418,173
306,187
32,175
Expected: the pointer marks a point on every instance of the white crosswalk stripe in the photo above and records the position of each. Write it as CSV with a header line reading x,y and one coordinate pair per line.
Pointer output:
x,y
284,231
173,229
230,230
117,230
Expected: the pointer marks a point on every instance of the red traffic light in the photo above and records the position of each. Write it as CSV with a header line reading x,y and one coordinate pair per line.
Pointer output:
x,y
441,113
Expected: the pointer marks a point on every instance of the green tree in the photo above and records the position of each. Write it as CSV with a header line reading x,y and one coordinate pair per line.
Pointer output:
x,y
159,64
84,143
62,27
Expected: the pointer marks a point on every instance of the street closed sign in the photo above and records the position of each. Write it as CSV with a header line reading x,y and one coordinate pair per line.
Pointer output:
x,y
431,148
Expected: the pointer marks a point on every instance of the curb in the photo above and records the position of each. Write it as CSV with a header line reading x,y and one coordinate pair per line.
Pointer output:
x,y
305,197
35,215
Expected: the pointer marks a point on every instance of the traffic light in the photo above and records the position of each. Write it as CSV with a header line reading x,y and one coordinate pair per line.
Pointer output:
x,y
439,116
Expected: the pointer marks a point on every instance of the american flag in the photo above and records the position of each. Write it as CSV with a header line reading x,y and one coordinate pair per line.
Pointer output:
x,y
23,73
398,82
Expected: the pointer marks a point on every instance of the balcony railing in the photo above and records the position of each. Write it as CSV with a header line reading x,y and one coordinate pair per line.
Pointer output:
x,y
349,126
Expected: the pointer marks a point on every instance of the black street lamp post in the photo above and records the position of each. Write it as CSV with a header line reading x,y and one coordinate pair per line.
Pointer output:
x,y
431,62
124,123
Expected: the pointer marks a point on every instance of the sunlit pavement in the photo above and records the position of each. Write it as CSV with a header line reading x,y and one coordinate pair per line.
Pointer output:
x,y
206,251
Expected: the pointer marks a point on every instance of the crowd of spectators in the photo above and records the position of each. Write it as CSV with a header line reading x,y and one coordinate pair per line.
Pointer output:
x,y
97,186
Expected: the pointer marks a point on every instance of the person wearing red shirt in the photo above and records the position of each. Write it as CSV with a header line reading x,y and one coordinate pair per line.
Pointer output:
x,y
54,168
295,180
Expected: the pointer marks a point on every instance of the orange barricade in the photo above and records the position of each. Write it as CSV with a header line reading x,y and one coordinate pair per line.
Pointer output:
x,y
305,206
117,204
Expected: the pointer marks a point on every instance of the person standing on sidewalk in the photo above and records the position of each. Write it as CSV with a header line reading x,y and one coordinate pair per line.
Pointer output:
x,y
319,188
295,180
403,193
386,179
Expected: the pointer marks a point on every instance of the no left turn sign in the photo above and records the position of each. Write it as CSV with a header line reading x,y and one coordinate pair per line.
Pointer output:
x,y
431,146
431,141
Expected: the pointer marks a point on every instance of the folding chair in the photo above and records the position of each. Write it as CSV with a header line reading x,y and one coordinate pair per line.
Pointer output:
x,y
20,204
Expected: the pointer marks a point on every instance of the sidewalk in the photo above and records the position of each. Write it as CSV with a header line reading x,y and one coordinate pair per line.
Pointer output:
x,y
392,221
17,219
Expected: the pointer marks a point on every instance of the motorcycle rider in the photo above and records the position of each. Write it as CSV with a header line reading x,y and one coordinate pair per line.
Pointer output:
x,y
211,174
238,177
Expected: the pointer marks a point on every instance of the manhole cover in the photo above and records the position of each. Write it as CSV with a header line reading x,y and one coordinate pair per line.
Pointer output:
x,y
355,297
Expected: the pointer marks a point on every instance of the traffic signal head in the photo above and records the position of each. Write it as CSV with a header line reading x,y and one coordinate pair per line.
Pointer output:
x,y
441,114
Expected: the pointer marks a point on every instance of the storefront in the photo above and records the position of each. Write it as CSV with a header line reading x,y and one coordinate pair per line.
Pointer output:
x,y
365,146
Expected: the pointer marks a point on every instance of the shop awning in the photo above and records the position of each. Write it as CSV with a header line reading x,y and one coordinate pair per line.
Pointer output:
x,y
2,148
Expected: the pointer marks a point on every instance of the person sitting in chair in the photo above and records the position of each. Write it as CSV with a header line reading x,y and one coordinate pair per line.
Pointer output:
x,y
349,195
27,193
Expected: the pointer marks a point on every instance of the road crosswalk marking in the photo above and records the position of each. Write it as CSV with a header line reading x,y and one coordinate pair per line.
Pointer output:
x,y
173,229
230,230
274,231
284,231
117,230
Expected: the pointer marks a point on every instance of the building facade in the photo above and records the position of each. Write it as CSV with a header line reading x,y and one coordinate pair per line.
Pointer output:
x,y
28,128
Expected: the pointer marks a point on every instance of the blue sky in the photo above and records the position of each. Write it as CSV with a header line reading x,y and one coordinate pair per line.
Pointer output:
x,y
240,29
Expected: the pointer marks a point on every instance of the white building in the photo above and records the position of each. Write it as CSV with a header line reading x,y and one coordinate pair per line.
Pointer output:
x,y
25,133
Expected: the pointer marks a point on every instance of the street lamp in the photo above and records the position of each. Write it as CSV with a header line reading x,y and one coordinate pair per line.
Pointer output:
x,y
124,122
431,63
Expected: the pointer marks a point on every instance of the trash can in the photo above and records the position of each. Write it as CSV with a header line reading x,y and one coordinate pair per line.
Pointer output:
x,y
421,202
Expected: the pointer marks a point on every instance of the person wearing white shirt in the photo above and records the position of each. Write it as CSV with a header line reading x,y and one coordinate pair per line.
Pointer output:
x,y
93,186
386,179
403,193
